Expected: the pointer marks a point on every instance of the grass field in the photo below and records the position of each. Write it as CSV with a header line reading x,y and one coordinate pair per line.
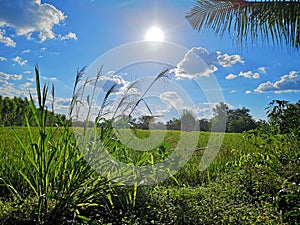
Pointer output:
x,y
253,180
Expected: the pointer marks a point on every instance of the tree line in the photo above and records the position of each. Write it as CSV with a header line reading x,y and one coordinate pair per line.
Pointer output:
x,y
14,111
282,115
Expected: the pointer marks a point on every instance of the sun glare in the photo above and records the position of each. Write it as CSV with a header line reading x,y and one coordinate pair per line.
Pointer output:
x,y
154,34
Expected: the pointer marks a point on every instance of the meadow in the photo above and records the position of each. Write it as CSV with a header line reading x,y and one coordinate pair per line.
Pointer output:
x,y
251,181
50,175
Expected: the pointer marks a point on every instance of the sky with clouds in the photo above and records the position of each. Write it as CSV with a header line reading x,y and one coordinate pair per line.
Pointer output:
x,y
61,37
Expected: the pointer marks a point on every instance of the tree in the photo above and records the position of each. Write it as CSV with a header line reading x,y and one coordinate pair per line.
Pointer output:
x,y
240,120
13,112
188,121
284,115
204,125
174,124
274,20
218,122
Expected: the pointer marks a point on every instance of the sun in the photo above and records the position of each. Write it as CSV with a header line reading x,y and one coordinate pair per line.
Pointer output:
x,y
154,34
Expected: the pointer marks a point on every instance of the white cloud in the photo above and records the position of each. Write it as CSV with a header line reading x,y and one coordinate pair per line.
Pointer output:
x,y
287,83
172,99
198,62
230,76
70,35
49,78
6,40
193,66
62,103
43,49
249,74
229,60
18,60
233,91
8,89
29,16
25,85
26,51
247,92
256,76
27,72
31,79
262,69
8,76
3,58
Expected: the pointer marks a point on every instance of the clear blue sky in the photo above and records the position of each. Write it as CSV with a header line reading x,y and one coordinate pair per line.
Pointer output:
x,y
62,36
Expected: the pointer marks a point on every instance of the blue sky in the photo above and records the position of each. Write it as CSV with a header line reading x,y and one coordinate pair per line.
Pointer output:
x,y
63,36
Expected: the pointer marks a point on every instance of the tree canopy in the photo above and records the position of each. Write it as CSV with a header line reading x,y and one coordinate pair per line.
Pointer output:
x,y
13,112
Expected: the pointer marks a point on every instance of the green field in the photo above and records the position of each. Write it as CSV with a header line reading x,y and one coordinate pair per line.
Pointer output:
x,y
253,180
53,173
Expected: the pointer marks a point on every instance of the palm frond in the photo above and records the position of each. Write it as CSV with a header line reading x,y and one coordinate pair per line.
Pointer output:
x,y
276,21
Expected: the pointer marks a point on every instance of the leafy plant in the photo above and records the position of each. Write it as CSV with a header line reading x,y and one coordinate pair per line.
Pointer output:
x,y
276,20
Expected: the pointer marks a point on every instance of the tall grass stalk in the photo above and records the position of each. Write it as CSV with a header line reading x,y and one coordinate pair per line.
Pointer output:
x,y
58,175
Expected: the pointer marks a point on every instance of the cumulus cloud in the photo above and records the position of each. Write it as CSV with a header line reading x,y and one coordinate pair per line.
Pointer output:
x,y
25,85
31,79
247,92
287,83
256,76
193,65
29,16
226,60
198,62
3,58
262,69
172,99
18,60
233,91
70,35
8,89
8,76
230,76
249,74
7,41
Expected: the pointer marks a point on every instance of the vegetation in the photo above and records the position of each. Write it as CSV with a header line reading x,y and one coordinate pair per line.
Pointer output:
x,y
15,110
276,21
45,179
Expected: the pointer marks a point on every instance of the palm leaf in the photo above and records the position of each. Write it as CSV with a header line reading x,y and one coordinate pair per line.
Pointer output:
x,y
276,21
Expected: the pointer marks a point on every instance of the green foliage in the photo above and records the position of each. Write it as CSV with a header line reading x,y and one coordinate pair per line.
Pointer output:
x,y
285,116
45,179
270,170
239,120
275,21
14,111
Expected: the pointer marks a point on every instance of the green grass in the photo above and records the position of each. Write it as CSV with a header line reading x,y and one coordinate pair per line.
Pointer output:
x,y
46,175
237,178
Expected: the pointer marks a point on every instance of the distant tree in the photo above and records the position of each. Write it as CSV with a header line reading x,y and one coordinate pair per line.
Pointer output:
x,y
188,121
204,125
143,122
13,112
218,122
240,120
174,124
